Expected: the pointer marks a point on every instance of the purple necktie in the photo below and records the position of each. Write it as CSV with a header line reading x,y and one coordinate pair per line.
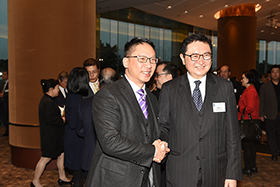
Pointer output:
x,y
142,102
197,95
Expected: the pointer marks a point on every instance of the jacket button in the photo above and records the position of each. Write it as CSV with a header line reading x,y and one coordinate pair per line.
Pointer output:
x,y
142,171
197,157
200,139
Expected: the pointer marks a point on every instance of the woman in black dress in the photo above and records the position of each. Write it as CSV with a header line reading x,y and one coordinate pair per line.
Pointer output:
x,y
51,132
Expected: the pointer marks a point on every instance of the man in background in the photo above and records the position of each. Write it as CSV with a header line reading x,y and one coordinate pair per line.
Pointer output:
x,y
93,68
225,73
270,110
165,71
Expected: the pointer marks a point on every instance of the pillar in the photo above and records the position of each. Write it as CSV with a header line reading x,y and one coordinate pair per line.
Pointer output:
x,y
45,38
237,38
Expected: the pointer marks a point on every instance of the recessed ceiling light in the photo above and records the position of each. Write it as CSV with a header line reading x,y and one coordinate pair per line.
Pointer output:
x,y
201,16
185,12
267,0
262,30
226,6
169,7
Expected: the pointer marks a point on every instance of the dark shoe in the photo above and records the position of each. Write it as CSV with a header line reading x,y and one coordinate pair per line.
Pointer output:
x,y
254,170
274,157
61,182
32,185
247,172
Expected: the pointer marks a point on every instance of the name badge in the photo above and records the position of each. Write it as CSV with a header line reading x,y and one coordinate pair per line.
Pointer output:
x,y
219,107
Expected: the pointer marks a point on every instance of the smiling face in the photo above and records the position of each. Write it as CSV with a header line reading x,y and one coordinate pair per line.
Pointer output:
x,y
197,69
162,76
139,73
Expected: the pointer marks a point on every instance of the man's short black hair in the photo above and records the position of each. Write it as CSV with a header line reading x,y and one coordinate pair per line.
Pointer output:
x,y
136,41
197,37
91,62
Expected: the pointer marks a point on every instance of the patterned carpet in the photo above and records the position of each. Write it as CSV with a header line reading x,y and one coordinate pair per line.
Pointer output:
x,y
11,176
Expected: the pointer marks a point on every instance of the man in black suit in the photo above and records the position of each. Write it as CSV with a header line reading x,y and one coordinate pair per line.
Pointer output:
x,y
85,127
4,102
225,73
93,68
125,120
198,119
270,110
165,71
61,98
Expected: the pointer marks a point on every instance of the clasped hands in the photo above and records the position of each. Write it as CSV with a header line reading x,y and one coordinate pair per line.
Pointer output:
x,y
161,150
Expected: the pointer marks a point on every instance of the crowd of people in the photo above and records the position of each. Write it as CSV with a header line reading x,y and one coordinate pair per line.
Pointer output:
x,y
155,127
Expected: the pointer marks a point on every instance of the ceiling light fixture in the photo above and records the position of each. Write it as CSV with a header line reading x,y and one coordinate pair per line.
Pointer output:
x,y
169,7
185,12
201,16
226,5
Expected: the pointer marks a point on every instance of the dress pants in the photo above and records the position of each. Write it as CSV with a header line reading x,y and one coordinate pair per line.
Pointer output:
x,y
249,148
273,134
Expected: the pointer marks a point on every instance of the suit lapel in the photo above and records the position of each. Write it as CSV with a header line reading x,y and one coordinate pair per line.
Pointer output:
x,y
152,112
186,96
211,91
129,95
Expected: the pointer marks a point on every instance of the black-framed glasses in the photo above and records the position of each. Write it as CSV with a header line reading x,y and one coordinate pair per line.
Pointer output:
x,y
158,74
196,57
144,59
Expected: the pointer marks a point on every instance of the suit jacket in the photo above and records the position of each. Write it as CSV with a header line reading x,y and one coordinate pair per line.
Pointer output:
x,y
60,99
200,139
86,130
124,152
268,101
237,89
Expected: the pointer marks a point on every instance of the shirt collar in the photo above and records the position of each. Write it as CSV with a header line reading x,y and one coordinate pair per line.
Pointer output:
x,y
134,86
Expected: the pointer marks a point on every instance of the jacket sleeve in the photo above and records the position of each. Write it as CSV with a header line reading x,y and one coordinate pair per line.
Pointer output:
x,y
109,125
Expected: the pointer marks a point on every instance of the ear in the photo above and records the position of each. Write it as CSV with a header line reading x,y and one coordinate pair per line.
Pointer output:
x,y
183,59
169,76
229,73
125,62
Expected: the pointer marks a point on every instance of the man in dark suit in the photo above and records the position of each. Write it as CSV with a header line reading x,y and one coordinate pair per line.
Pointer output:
x,y
270,111
62,79
85,127
125,120
225,73
198,119
93,68
165,71
4,102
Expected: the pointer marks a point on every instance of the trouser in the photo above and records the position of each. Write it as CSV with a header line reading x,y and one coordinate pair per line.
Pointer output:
x,y
273,134
78,178
249,149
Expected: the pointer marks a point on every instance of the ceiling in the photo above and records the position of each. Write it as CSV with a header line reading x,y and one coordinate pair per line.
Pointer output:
x,y
196,8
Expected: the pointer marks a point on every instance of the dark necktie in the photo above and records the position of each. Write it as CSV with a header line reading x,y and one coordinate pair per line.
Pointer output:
x,y
142,102
197,98
65,92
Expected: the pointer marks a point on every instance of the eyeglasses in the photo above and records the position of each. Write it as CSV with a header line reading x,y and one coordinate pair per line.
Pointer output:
x,y
144,59
196,57
158,74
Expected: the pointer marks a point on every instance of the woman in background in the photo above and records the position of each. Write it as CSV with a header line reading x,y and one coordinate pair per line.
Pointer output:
x,y
77,87
249,101
51,132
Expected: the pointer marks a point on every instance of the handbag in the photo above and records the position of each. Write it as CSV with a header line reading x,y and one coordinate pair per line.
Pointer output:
x,y
250,130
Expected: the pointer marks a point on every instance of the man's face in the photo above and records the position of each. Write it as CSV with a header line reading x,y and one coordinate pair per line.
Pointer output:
x,y
5,76
140,73
162,76
197,69
275,74
93,73
225,73
63,83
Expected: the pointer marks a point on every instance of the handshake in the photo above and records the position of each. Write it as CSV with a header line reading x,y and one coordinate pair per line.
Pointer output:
x,y
161,150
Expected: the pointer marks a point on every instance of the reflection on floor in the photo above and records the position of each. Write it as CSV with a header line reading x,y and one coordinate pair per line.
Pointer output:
x,y
11,176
